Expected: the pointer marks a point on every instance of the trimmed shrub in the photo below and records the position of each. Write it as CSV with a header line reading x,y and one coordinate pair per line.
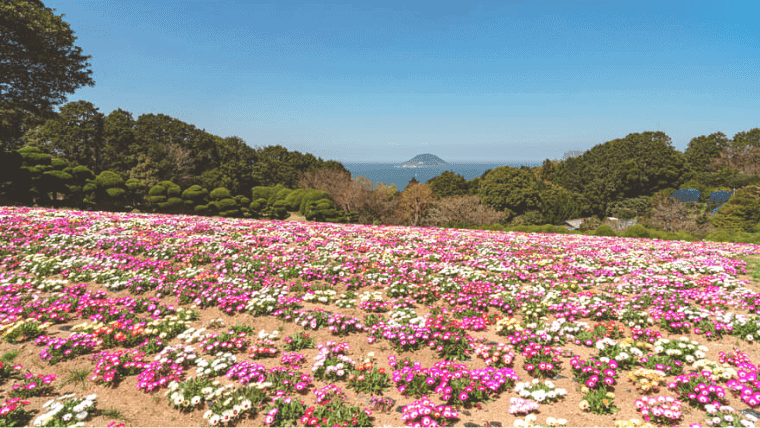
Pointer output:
x,y
172,190
604,230
157,190
195,193
242,200
202,209
107,179
116,192
636,231
156,199
220,193
261,192
226,204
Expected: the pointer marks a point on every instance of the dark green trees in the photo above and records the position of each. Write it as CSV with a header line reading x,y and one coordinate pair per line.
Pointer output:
x,y
703,150
40,66
448,184
511,190
76,134
638,165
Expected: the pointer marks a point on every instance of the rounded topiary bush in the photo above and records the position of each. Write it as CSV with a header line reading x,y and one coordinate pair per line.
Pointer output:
x,y
220,193
116,192
226,204
195,193
108,179
81,173
261,192
156,199
636,231
58,163
135,184
157,190
604,230
172,190
59,175
201,209
242,200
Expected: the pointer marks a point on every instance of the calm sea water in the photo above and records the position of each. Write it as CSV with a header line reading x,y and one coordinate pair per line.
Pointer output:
x,y
386,173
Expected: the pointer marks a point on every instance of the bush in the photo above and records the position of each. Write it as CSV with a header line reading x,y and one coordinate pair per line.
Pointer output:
x,y
108,179
720,236
294,198
116,192
636,231
156,199
172,190
201,209
242,200
195,193
134,184
157,190
604,230
220,193
226,204
279,211
261,192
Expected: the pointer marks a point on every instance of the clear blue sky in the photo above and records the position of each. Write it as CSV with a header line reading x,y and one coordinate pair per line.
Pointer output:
x,y
500,81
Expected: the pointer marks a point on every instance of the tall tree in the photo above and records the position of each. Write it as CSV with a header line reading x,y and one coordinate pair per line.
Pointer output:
x,y
76,134
751,138
414,203
704,149
39,65
507,188
448,183
120,146
639,164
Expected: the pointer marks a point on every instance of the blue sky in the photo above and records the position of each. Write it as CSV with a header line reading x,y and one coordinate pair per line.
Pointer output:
x,y
385,81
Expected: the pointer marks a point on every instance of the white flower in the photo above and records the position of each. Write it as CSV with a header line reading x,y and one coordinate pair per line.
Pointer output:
x,y
81,415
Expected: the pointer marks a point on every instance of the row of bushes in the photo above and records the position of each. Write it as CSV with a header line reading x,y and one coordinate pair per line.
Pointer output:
x,y
636,231
38,178
315,205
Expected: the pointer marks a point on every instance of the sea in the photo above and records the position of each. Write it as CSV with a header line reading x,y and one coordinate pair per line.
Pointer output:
x,y
387,172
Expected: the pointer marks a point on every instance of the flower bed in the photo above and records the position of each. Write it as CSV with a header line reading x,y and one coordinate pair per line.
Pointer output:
x,y
467,326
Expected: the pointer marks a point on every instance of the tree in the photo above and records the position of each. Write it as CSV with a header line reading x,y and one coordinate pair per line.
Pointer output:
x,y
638,165
120,148
513,189
741,212
76,134
39,65
233,166
414,203
448,183
743,157
462,209
751,138
704,149
411,183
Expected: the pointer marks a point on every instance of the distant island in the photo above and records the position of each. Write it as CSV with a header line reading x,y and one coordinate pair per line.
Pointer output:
x,y
422,161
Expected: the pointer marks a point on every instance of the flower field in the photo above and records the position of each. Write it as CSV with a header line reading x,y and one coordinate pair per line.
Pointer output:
x,y
112,319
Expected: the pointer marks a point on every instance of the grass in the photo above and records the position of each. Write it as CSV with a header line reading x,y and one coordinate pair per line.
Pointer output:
x,y
9,356
753,267
78,375
114,414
